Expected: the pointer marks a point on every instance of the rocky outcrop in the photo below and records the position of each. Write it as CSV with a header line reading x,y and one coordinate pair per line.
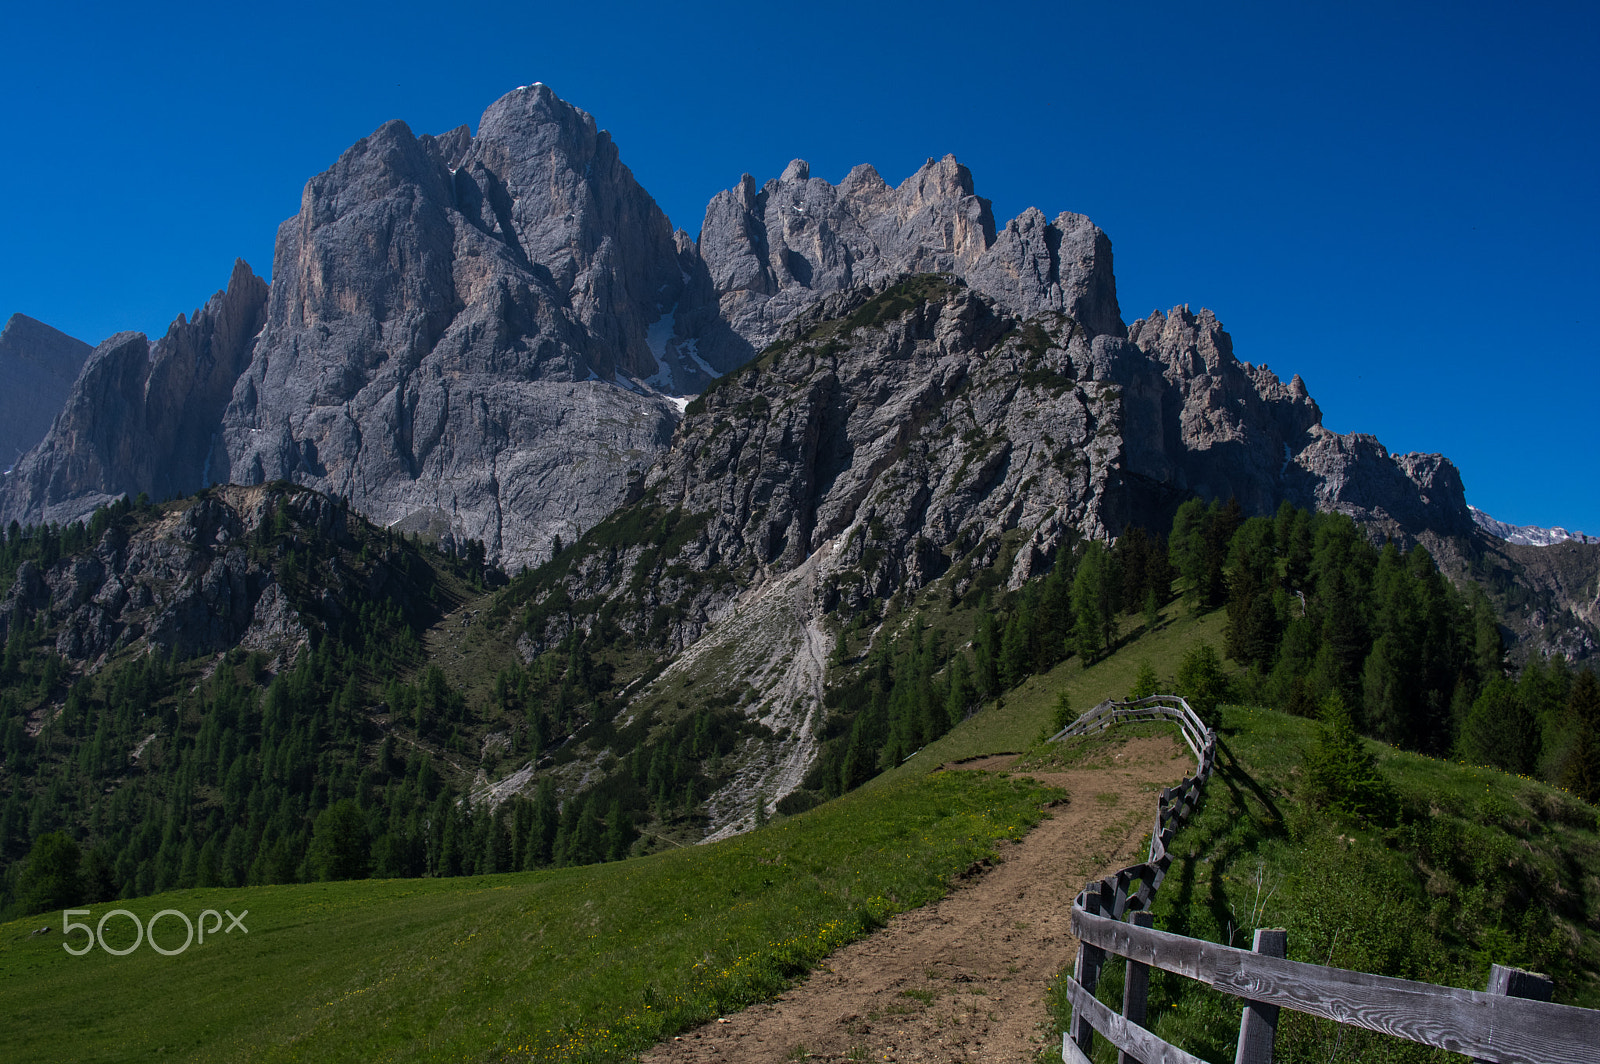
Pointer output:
x,y
770,253
184,583
1220,428
37,367
142,417
266,569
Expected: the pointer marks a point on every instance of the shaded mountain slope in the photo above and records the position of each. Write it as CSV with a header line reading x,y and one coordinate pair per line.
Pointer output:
x,y
142,417
37,367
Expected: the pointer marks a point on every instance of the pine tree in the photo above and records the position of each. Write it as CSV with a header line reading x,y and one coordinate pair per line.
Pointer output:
x,y
1096,590
546,822
986,653
959,697
1152,610
50,878
1186,548
619,832
1342,775
1582,773
1060,717
1016,657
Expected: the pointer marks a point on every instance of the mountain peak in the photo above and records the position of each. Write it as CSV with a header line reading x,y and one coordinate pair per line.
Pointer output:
x,y
532,105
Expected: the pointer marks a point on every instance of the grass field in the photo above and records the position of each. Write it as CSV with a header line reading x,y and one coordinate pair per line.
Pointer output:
x,y
583,964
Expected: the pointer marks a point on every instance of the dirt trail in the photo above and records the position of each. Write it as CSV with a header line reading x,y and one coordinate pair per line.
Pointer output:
x,y
963,979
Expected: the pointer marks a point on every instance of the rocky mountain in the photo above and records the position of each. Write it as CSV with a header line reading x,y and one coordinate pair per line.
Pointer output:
x,y
771,253
37,367
888,432
142,417
920,432
460,329
479,336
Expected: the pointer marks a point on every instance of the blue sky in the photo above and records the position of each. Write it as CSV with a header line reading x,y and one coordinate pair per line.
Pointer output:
x,y
1398,204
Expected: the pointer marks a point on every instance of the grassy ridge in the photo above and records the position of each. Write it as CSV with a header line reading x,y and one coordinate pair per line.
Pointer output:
x,y
1014,723
591,963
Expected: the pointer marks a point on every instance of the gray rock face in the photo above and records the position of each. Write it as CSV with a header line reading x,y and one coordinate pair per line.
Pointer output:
x,y
1220,427
37,367
1412,497
771,252
142,417
453,329
561,195
877,453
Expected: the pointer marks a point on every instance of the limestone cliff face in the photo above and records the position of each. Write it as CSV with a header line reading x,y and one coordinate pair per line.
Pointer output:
x,y
453,328
559,193
37,367
771,252
142,417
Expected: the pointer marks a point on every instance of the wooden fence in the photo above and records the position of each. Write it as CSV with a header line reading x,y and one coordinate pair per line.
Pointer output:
x,y
1514,1022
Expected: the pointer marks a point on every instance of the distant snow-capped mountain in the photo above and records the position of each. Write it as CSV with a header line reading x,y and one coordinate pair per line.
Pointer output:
x,y
1527,535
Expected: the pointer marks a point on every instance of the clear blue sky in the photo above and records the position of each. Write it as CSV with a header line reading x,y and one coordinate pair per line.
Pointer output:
x,y
1399,205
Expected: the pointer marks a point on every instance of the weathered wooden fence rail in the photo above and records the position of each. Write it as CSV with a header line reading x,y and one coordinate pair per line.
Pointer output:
x,y
1512,1023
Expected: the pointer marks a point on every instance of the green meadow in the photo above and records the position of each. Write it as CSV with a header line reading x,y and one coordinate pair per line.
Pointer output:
x,y
581,964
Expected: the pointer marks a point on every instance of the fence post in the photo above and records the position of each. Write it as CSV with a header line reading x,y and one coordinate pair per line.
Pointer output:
x,y
1258,1026
1135,989
1514,982
1087,972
